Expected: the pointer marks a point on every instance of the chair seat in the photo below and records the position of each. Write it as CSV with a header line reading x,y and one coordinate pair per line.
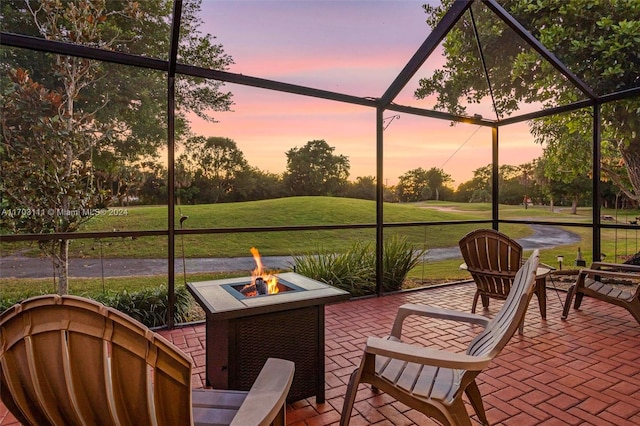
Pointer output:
x,y
424,382
607,291
215,407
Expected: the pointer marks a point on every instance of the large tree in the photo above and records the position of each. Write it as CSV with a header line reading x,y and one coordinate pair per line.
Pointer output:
x,y
597,40
129,101
315,170
216,163
46,180
414,186
437,180
476,190
102,108
255,184
364,188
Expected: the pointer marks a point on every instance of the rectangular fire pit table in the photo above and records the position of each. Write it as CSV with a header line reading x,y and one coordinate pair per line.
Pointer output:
x,y
242,332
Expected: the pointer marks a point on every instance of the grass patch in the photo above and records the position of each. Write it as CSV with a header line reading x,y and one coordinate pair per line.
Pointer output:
x,y
294,211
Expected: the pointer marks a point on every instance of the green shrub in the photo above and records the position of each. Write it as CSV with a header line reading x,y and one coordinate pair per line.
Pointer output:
x,y
7,303
348,271
398,258
149,306
355,269
19,296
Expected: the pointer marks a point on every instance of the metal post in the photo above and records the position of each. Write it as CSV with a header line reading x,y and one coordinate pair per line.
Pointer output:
x,y
495,178
171,89
184,261
596,192
379,201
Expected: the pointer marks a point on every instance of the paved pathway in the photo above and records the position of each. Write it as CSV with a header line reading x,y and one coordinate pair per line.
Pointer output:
x,y
29,267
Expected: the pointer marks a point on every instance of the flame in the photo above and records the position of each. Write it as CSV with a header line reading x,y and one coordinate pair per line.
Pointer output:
x,y
270,280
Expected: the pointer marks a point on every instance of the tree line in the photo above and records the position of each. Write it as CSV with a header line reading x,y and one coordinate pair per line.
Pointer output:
x,y
215,170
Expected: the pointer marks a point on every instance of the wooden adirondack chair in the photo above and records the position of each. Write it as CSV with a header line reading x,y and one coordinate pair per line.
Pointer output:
x,y
66,360
589,283
493,259
433,381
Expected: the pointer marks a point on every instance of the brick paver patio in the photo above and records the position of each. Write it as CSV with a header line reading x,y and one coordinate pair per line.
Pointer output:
x,y
583,371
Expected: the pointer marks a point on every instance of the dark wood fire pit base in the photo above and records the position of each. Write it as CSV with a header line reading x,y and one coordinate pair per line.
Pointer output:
x,y
242,334
241,346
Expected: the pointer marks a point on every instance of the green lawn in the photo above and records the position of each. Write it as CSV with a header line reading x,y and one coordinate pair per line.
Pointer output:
x,y
295,211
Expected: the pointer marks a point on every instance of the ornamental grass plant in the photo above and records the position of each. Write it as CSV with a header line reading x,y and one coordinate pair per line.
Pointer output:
x,y
355,269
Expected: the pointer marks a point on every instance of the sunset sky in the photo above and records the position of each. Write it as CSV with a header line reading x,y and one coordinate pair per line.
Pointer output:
x,y
352,47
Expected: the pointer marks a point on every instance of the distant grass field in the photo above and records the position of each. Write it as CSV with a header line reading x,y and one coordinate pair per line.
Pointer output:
x,y
298,211
302,211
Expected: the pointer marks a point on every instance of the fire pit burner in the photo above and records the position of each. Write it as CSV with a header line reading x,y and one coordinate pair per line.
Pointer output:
x,y
239,290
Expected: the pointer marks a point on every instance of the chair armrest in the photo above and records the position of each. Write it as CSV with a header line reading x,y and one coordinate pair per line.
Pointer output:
x,y
617,266
268,394
433,312
424,356
611,274
565,272
545,266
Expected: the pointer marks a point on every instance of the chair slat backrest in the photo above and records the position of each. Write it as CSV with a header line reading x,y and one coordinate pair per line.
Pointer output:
x,y
66,360
493,259
500,329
